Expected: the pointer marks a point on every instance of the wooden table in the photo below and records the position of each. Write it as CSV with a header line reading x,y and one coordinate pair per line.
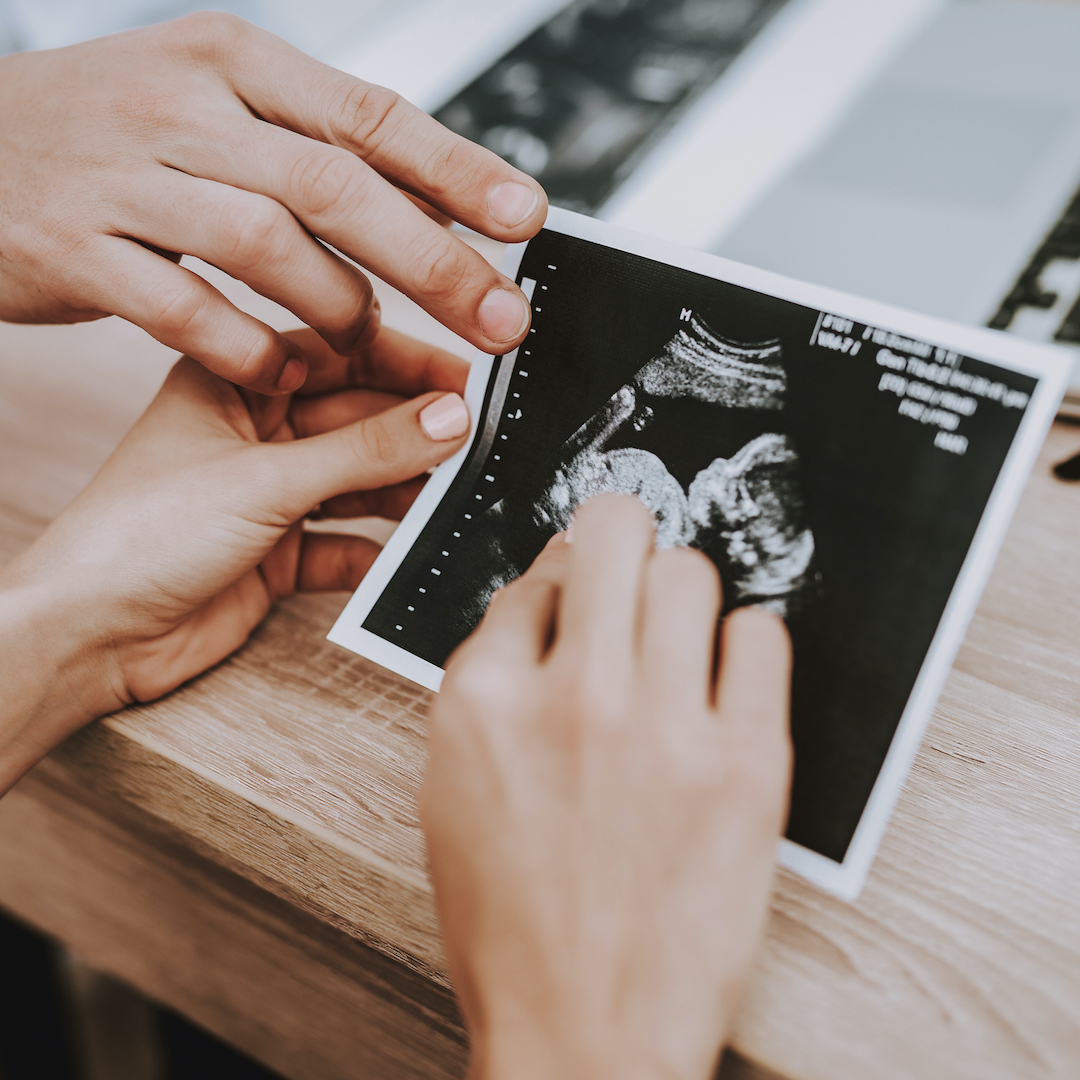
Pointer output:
x,y
247,849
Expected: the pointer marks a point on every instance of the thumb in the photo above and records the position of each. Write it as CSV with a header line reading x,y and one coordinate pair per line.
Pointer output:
x,y
376,452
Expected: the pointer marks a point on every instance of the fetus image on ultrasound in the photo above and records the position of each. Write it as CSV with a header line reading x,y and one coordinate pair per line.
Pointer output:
x,y
698,436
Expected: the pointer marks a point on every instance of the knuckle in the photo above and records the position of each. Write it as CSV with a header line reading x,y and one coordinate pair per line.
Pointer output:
x,y
456,166
366,112
321,180
357,311
252,355
376,444
208,35
175,308
255,230
445,269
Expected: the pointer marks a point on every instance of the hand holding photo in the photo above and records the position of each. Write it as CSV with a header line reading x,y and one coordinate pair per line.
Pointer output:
x,y
846,465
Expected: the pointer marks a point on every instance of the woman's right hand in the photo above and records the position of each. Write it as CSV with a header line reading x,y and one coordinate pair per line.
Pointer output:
x,y
606,789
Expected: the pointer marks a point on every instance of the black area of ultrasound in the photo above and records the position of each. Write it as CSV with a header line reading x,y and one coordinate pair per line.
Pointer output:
x,y
579,101
892,516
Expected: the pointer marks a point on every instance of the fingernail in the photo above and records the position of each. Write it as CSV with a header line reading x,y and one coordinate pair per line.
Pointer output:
x,y
504,315
445,419
292,375
511,203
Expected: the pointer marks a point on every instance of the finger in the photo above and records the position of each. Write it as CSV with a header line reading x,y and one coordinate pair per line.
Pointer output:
x,y
386,449
256,240
754,680
329,562
389,361
343,201
519,623
678,637
390,502
598,616
184,312
413,151
314,415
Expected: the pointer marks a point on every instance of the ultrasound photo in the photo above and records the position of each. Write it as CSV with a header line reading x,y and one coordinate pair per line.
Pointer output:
x,y
579,101
745,511
835,472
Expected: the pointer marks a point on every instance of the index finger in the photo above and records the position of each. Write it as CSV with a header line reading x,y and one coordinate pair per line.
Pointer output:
x,y
520,620
415,152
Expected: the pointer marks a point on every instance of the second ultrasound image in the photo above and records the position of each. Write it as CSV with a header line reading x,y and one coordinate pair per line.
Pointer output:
x,y
578,102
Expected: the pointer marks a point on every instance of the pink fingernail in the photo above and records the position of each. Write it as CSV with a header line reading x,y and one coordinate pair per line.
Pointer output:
x,y
445,419
511,203
504,315
292,375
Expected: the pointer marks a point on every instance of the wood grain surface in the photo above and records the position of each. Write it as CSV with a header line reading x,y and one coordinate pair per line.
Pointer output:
x,y
267,810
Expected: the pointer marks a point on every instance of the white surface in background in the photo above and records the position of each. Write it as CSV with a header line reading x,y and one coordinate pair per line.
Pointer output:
x,y
316,26
442,45
775,102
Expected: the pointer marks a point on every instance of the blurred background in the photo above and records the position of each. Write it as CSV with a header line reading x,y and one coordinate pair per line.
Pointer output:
x,y
313,26
571,93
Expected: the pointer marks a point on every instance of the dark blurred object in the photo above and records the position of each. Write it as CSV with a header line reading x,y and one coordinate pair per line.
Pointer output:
x,y
734,1066
39,1000
1069,469
1062,243
581,100
193,1054
33,1034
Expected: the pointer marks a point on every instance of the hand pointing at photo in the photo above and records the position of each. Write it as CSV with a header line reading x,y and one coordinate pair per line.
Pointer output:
x,y
602,812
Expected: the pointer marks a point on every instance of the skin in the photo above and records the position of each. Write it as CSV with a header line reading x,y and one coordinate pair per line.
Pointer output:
x,y
175,552
606,785
209,137
606,788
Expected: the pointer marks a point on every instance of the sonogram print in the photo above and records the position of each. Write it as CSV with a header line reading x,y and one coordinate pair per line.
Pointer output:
x,y
745,511
752,436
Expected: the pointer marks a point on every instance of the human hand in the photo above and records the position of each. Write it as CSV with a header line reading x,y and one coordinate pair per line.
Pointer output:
x,y
178,547
209,137
602,812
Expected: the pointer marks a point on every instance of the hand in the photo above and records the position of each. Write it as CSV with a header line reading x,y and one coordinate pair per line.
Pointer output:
x,y
207,136
602,814
175,552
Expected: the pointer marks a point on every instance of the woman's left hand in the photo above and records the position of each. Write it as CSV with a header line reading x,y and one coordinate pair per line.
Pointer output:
x,y
175,552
